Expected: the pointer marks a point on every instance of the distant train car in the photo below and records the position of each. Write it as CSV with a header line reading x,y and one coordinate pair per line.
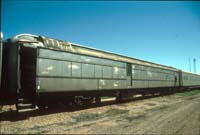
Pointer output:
x,y
41,71
190,80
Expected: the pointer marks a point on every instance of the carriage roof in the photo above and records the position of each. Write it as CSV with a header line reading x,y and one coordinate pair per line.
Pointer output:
x,y
51,43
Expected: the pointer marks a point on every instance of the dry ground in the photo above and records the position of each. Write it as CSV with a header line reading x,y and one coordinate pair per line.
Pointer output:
x,y
159,115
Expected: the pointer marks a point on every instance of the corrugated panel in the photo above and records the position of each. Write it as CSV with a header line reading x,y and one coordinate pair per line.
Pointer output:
x,y
119,73
112,84
122,73
65,84
52,54
98,71
151,84
47,67
143,75
139,84
55,54
107,72
116,72
87,70
76,69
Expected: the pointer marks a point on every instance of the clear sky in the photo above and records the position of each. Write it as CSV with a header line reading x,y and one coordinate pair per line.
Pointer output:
x,y
164,32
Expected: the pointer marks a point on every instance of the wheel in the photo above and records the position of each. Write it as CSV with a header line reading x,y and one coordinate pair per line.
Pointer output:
x,y
89,101
119,98
97,100
143,94
41,106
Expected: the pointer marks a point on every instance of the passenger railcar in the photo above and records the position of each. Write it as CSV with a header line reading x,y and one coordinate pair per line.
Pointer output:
x,y
190,80
40,71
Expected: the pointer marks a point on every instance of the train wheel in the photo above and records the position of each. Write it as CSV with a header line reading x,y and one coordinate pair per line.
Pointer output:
x,y
88,101
41,106
143,94
119,98
79,101
97,100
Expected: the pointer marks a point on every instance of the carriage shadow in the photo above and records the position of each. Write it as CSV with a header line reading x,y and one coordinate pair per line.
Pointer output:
x,y
12,115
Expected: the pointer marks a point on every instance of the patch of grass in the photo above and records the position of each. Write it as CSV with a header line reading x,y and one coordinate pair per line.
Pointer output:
x,y
95,116
34,130
17,131
37,130
40,132
105,97
116,112
190,93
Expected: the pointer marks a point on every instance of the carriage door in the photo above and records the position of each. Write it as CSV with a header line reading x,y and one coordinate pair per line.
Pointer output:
x,y
180,76
129,74
27,74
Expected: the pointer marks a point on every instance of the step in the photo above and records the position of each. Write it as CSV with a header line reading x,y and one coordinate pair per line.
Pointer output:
x,y
23,100
26,94
20,100
26,110
24,106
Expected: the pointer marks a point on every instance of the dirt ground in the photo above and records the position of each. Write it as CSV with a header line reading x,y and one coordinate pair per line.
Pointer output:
x,y
171,114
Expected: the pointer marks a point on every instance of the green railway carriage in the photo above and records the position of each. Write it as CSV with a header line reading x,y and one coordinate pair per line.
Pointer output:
x,y
66,71
41,70
190,80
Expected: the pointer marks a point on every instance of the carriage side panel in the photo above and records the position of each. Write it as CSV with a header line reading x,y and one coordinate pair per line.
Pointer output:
x,y
65,71
152,77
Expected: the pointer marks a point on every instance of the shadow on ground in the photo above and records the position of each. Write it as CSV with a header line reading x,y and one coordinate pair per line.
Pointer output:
x,y
12,115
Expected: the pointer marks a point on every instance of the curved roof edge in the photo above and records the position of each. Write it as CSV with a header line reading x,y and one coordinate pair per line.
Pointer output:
x,y
26,38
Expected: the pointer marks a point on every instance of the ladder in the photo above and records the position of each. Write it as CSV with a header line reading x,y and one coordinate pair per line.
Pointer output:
x,y
24,103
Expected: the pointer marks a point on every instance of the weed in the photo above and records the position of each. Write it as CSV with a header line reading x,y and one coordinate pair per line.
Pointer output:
x,y
105,97
40,132
18,131
190,93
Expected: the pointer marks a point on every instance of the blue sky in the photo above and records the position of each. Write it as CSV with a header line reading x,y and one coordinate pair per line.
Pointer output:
x,y
164,32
